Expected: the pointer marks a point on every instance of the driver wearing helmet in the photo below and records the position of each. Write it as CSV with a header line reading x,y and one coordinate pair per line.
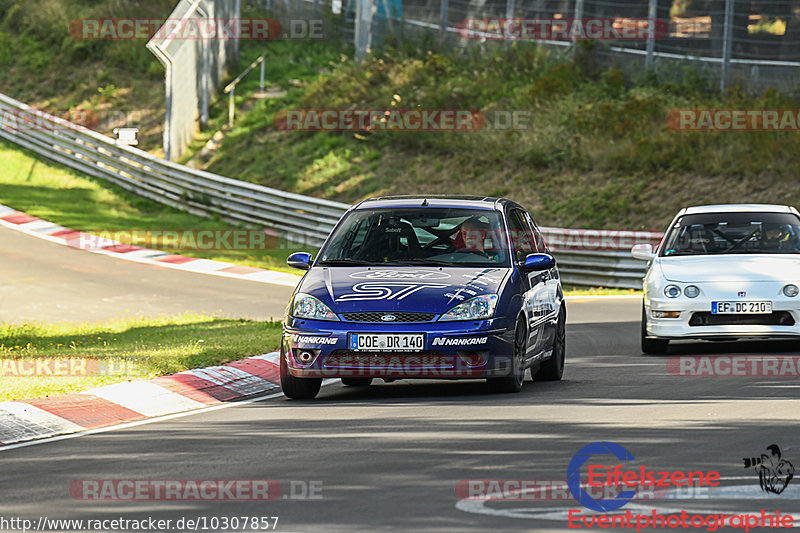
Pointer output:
x,y
776,237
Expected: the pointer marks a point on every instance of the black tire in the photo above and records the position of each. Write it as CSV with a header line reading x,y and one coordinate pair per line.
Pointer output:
x,y
298,388
652,346
512,383
357,382
553,368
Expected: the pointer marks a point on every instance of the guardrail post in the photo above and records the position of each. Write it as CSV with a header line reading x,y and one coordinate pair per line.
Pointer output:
x,y
651,39
363,31
578,9
511,7
443,21
727,38
231,108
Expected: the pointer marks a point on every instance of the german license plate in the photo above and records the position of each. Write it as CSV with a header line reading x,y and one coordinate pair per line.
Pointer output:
x,y
387,341
741,308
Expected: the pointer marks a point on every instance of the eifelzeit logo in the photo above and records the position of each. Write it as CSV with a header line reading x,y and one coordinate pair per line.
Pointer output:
x,y
441,341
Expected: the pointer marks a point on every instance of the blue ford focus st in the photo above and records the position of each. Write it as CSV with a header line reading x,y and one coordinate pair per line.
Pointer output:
x,y
431,288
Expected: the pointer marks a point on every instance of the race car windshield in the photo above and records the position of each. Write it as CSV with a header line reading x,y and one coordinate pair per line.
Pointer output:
x,y
424,236
734,233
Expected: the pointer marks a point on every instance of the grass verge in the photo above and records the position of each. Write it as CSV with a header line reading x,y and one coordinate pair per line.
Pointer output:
x,y
32,184
118,350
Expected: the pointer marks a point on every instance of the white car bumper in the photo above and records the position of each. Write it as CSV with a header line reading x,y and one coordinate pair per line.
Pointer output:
x,y
695,320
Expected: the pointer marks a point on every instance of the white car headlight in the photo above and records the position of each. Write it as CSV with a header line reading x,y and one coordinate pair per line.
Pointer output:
x,y
692,291
791,290
672,291
306,306
476,308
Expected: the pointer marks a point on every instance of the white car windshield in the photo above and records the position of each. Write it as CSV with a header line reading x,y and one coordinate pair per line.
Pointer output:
x,y
437,236
734,233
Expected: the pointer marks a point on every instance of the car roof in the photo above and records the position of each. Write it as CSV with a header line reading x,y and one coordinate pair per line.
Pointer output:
x,y
475,202
738,208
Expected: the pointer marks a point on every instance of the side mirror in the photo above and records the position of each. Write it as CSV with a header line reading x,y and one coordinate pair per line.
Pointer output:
x,y
643,251
538,262
301,260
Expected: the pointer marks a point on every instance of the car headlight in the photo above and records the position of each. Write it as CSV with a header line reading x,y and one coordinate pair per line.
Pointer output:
x,y
692,291
306,306
672,291
791,290
476,308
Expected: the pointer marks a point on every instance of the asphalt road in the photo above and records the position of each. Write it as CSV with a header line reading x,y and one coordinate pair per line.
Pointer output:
x,y
389,458
40,280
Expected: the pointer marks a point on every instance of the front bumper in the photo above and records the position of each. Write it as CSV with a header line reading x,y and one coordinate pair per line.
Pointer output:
x,y
452,350
695,320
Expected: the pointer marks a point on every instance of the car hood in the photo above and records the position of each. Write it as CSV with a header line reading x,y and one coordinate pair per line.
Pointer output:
x,y
753,267
420,289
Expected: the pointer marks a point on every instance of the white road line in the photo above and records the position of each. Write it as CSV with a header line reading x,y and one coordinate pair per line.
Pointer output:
x,y
751,491
128,425
147,256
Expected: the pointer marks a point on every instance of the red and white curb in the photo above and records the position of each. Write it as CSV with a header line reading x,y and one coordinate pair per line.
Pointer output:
x,y
130,401
20,221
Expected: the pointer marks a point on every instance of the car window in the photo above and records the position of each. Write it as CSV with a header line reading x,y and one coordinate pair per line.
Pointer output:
x,y
734,233
522,237
451,236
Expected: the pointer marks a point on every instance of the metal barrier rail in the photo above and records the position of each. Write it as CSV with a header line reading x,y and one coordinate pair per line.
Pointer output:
x,y
600,269
298,218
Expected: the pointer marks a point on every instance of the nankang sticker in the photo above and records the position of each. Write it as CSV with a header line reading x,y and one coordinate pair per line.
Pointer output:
x,y
303,339
441,341
400,274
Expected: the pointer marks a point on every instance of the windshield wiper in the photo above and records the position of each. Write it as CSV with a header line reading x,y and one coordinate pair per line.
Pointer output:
x,y
355,262
414,262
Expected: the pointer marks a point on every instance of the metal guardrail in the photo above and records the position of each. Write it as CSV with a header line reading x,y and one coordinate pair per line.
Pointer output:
x,y
298,218
600,269
599,258
586,257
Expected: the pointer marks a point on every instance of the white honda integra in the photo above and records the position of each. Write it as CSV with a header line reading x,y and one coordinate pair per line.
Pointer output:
x,y
723,272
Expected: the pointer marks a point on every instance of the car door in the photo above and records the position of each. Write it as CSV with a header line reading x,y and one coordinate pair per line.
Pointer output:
x,y
555,295
535,297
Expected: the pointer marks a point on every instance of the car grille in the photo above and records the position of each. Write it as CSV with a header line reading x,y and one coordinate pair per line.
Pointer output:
x,y
776,318
400,316
423,358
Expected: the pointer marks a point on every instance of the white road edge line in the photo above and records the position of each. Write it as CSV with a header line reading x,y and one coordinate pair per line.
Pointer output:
x,y
281,277
127,425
